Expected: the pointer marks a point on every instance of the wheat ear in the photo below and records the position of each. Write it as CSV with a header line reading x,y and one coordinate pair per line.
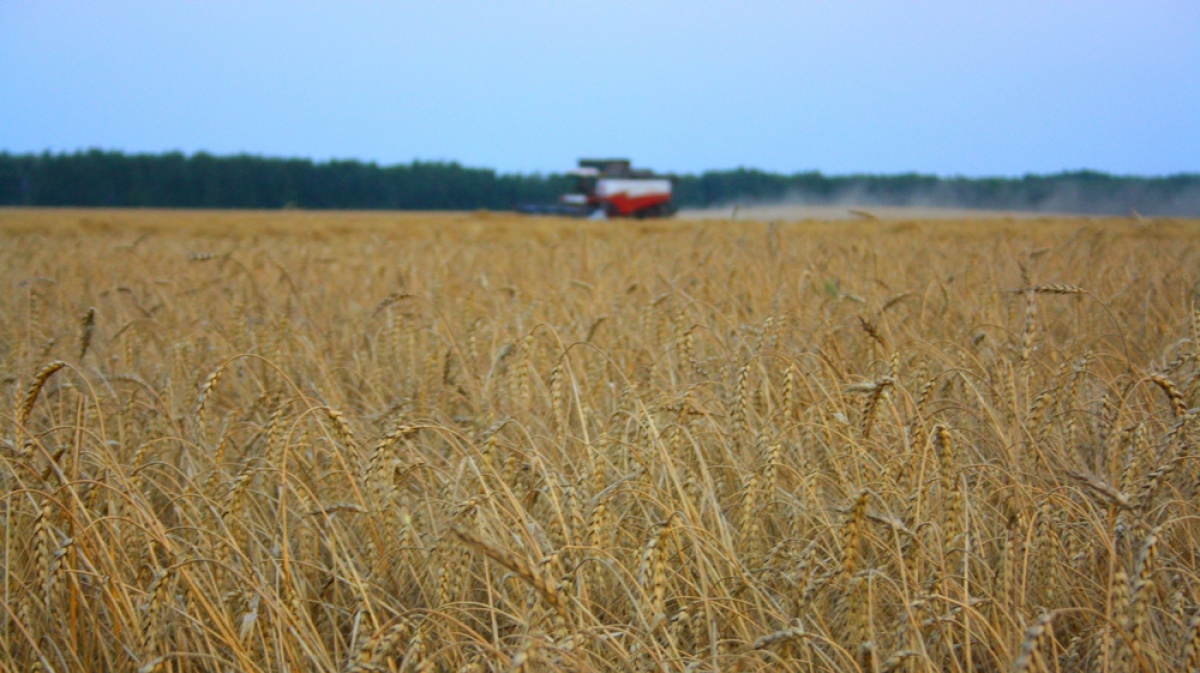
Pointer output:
x,y
522,569
36,388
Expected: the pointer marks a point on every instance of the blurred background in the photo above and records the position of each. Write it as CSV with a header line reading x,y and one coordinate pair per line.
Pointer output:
x,y
524,89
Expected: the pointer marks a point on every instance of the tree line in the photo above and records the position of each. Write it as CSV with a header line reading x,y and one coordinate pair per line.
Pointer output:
x,y
201,180
174,180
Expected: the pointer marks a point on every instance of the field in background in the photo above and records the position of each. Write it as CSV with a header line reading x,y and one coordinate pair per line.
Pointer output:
x,y
264,441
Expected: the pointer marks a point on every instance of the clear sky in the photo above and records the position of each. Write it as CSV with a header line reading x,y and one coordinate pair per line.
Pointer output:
x,y
994,87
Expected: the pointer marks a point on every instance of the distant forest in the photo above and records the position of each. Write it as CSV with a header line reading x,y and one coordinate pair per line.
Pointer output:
x,y
176,180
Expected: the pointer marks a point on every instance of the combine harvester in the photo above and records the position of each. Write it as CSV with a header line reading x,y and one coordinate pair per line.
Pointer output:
x,y
611,188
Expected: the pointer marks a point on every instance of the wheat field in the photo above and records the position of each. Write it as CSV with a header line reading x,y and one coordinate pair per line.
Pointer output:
x,y
477,442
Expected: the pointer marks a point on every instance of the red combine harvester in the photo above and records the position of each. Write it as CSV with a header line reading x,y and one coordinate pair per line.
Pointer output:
x,y
612,188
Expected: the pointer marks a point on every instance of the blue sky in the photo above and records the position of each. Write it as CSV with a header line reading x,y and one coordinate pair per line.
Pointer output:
x,y
971,88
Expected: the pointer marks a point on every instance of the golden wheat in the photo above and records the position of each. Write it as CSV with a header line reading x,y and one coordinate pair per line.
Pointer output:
x,y
449,442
